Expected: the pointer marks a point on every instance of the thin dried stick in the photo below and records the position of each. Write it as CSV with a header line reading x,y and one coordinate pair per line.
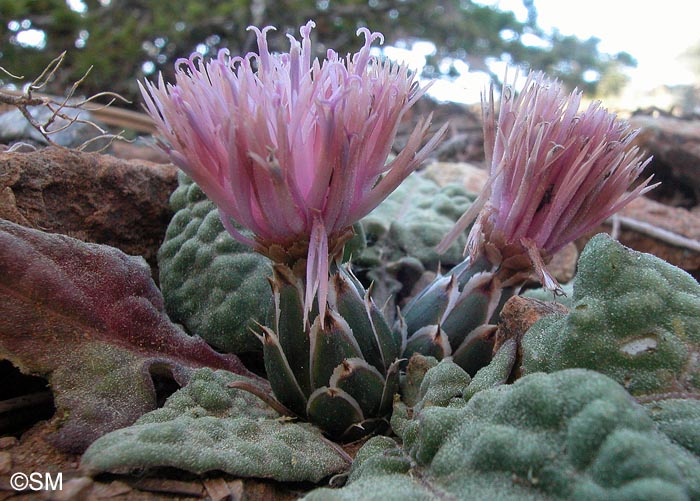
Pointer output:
x,y
658,233
58,106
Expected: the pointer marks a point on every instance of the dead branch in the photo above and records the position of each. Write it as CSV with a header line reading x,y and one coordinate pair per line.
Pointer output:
x,y
58,106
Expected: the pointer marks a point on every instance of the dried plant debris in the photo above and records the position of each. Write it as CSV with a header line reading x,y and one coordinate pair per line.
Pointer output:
x,y
49,116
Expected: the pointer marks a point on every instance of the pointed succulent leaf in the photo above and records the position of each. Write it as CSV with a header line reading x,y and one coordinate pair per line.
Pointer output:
x,y
90,319
473,307
207,426
359,379
334,411
476,350
391,342
429,305
332,342
289,324
572,434
635,318
391,388
281,376
348,302
429,341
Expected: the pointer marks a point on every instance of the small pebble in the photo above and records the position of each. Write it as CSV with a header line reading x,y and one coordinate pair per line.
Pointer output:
x,y
7,443
5,463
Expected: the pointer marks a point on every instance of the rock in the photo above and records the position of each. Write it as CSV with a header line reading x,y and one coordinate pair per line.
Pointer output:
x,y
138,150
676,220
75,488
5,463
675,145
15,127
8,443
470,176
92,197
517,316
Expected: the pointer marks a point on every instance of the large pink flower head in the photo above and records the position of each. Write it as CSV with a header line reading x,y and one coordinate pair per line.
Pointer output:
x,y
291,148
555,174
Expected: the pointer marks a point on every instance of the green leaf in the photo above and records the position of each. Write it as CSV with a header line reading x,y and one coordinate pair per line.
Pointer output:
x,y
332,342
213,285
634,317
281,376
430,341
289,322
334,410
573,434
362,381
679,419
207,426
347,301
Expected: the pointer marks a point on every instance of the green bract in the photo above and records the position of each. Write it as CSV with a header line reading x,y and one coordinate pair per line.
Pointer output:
x,y
634,317
339,371
212,284
452,315
573,434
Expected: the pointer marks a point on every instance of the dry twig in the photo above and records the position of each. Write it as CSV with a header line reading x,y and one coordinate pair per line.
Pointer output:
x,y
58,107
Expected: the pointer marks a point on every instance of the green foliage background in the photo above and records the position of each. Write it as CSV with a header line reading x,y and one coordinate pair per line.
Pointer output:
x,y
118,36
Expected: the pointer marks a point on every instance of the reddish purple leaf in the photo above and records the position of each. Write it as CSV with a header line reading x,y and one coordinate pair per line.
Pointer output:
x,y
90,319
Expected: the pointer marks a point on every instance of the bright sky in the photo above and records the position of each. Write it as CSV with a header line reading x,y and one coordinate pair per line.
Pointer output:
x,y
654,33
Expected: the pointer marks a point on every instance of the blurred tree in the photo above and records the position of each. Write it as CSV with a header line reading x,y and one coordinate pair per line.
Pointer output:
x,y
126,40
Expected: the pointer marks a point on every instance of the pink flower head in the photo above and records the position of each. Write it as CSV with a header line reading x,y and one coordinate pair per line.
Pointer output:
x,y
555,174
291,148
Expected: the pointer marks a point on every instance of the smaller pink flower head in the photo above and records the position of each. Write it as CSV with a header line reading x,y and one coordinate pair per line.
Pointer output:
x,y
291,148
555,174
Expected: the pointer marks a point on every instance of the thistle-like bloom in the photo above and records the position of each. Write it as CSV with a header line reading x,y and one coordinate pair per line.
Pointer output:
x,y
291,148
555,174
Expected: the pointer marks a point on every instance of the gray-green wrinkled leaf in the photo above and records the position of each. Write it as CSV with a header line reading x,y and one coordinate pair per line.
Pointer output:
x,y
634,318
213,285
680,420
412,221
207,426
573,434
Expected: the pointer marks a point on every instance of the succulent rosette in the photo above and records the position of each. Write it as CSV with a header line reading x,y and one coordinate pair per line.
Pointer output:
x,y
295,150
555,174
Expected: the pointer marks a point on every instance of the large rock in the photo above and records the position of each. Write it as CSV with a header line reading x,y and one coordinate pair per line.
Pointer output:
x,y
649,226
675,145
92,197
15,127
